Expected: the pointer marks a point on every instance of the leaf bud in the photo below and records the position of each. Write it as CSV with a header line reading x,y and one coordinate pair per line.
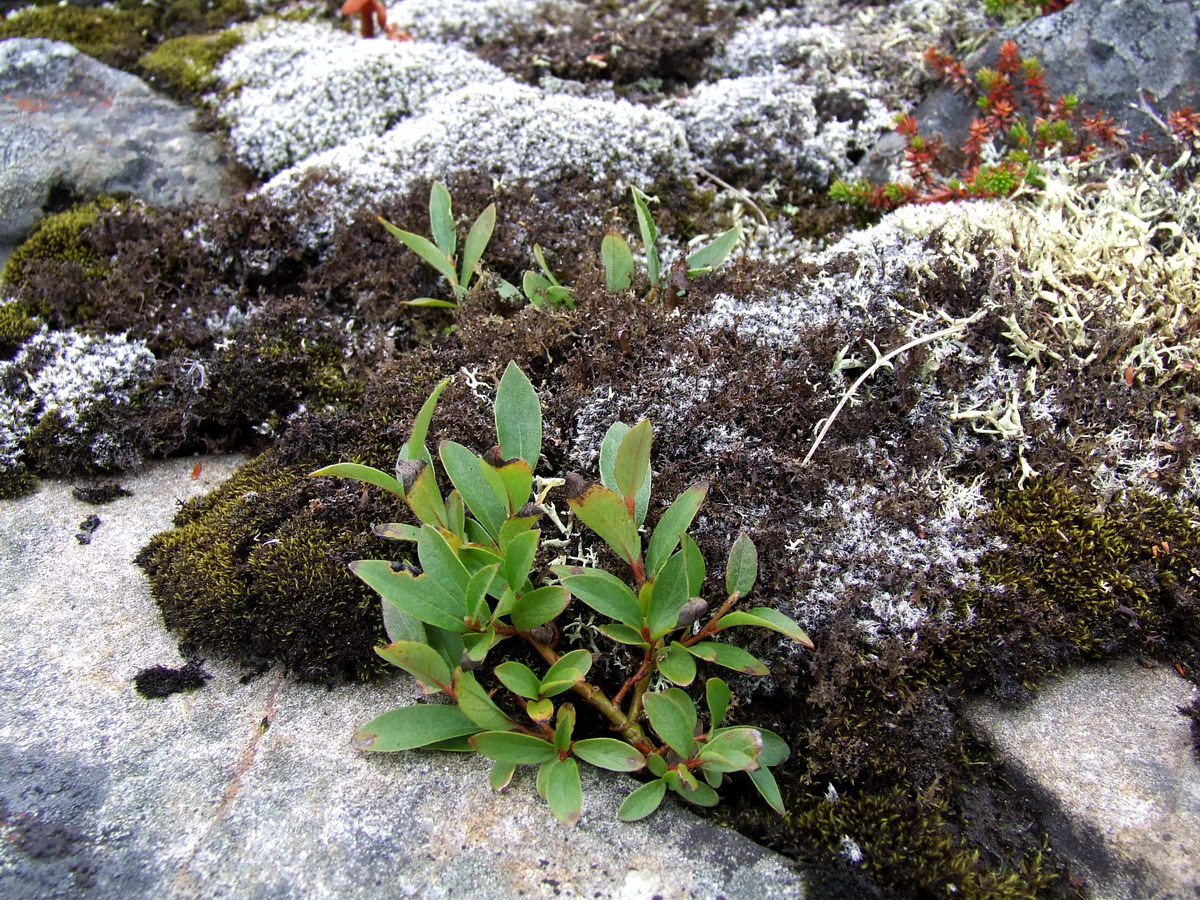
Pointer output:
x,y
467,664
545,634
691,612
529,510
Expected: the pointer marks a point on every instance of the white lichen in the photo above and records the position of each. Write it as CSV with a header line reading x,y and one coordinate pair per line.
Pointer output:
x,y
479,21
298,90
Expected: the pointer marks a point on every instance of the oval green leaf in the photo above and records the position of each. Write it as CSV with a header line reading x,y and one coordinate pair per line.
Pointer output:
x,y
539,607
642,802
510,747
603,592
730,657
609,753
413,726
741,570
518,417
673,717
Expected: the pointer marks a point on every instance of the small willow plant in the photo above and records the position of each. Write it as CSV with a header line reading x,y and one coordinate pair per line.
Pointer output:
x,y
477,588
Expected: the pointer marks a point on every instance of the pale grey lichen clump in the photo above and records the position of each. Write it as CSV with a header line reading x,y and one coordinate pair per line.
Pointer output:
x,y
769,123
80,380
508,131
305,88
478,20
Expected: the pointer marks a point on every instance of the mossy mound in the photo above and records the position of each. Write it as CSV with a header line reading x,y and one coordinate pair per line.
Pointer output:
x,y
115,36
185,65
16,326
120,34
58,238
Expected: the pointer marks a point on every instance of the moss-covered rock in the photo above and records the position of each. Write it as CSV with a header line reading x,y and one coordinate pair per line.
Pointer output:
x,y
185,65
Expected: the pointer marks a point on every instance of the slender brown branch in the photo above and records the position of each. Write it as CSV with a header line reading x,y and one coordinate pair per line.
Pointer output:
x,y
709,629
642,672
629,729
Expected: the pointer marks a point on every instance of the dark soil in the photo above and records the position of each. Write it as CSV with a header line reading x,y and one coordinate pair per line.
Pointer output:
x,y
157,682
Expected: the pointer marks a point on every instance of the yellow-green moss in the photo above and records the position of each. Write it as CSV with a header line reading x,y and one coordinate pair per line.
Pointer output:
x,y
57,237
113,36
16,325
186,64
16,483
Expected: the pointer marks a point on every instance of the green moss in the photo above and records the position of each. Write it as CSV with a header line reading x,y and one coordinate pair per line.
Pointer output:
x,y
906,843
113,36
58,238
185,65
16,326
258,570
16,482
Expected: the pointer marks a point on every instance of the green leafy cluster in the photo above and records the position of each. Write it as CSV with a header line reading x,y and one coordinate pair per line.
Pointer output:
x,y
16,325
477,587
542,289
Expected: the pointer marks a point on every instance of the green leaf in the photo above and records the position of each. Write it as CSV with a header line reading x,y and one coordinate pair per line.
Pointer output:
x,y
510,747
369,474
603,592
564,791
413,726
476,705
421,661
518,417
733,750
558,295
513,526
741,570
539,607
764,780
672,526
396,531
539,710
712,254
678,665
649,235
519,679
730,657
604,512
717,696
642,802
441,219
609,753
501,774
425,249
424,498
518,560
623,634
673,717
693,561
541,261
618,262
456,514
513,481
400,626
774,748
564,728
463,468
668,597
608,459
460,744
414,447
714,779
440,561
699,794
656,764
419,596
476,593
430,302
765,617
477,645
632,463
448,644
535,287
571,668
477,241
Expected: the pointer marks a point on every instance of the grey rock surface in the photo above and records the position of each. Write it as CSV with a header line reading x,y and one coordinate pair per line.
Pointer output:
x,y
1111,757
1106,52
72,128
254,789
